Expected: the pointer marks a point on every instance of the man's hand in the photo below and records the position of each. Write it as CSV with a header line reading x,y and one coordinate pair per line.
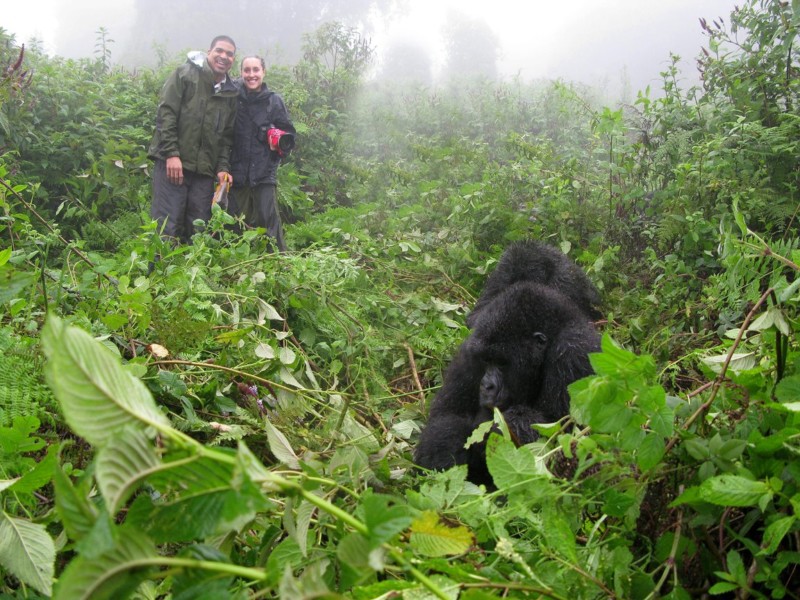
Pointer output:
x,y
224,176
175,170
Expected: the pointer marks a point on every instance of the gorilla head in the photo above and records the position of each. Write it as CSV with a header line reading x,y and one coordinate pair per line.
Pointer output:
x,y
539,263
529,342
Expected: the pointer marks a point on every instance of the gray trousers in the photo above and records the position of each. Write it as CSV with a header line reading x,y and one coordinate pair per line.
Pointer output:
x,y
259,206
176,207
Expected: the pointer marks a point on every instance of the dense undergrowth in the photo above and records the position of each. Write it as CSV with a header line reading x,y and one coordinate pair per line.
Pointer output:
x,y
239,424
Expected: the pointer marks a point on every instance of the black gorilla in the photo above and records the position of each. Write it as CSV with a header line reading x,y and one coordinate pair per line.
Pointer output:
x,y
529,341
537,262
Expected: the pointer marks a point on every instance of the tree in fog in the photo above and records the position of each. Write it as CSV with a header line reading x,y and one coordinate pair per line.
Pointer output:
x,y
275,28
405,62
471,47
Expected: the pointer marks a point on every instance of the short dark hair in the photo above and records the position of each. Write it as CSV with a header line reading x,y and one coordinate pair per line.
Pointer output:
x,y
222,38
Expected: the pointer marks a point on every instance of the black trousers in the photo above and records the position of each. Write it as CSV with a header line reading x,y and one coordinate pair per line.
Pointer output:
x,y
259,206
176,207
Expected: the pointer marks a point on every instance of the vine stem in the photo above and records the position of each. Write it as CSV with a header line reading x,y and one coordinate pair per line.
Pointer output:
x,y
721,376
289,486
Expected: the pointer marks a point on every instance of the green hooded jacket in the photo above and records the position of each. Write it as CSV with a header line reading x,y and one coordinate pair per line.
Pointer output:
x,y
194,121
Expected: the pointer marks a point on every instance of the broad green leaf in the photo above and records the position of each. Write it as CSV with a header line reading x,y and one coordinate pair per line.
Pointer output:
x,y
265,351
76,512
740,361
650,452
609,417
558,533
772,317
384,517
97,395
479,434
733,490
4,256
431,537
616,503
27,552
775,532
662,421
266,310
788,390
288,378
40,475
279,446
722,587
517,469
298,525
223,493
111,575
354,550
285,555
287,355
198,584
122,464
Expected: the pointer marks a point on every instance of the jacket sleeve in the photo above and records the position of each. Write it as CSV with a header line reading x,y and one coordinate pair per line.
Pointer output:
x,y
280,116
168,114
226,141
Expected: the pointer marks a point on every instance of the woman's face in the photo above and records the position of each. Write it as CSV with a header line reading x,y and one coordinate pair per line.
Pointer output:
x,y
252,73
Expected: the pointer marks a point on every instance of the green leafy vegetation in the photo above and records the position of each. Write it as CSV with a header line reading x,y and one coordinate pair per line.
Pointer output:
x,y
218,421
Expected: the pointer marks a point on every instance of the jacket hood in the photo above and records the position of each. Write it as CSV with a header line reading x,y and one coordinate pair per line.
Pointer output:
x,y
197,57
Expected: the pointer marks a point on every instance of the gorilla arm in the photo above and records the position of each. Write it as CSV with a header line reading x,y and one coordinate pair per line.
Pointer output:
x,y
567,361
452,416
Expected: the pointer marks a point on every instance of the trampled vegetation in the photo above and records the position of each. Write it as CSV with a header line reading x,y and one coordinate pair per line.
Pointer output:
x,y
240,424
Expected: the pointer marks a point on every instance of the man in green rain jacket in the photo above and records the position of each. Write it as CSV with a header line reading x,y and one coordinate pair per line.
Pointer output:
x,y
193,137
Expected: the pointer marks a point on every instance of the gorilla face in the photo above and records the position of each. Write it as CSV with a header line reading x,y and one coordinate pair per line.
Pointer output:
x,y
513,379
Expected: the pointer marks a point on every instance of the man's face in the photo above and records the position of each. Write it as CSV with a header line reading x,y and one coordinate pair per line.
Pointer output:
x,y
220,58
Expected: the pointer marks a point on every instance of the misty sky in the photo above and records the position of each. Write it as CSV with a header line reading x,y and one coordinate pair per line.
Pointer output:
x,y
590,41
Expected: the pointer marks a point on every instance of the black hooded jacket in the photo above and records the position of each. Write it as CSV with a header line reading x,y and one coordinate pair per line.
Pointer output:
x,y
252,162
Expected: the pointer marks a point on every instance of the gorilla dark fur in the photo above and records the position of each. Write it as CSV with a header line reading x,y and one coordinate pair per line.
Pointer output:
x,y
529,341
539,263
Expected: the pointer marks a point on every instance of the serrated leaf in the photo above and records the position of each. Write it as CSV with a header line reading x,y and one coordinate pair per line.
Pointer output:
x,y
662,421
280,446
384,517
515,468
733,490
40,475
788,390
112,574
479,433
122,464
222,493
650,452
354,550
97,395
27,551
430,537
